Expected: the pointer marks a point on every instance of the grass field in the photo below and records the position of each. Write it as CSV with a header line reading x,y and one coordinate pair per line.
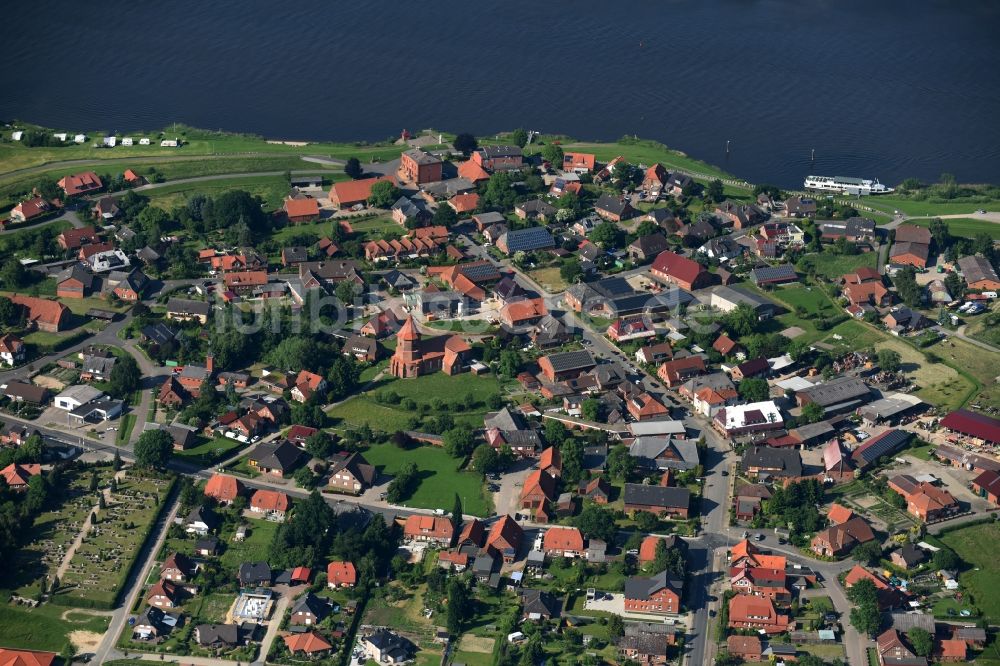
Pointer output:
x,y
965,227
253,549
982,579
982,366
939,384
811,299
440,477
980,330
363,408
211,451
831,265
648,153
549,278
43,628
272,189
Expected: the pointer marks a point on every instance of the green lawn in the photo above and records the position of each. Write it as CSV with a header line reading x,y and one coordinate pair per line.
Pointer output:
x,y
272,189
43,628
966,227
648,153
211,451
125,429
424,391
981,579
831,265
931,207
253,549
440,477
811,299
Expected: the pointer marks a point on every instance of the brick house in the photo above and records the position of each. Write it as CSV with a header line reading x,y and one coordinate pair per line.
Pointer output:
x,y
563,542
432,529
420,167
341,574
666,501
659,594
750,612
351,473
675,269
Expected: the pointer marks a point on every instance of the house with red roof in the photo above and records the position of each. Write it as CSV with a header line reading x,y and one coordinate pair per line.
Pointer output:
x,y
341,574
80,183
578,162
74,239
550,462
750,612
987,485
354,192
224,488
472,171
539,487
164,594
685,273
644,406
306,384
464,203
678,371
301,209
30,209
272,503
760,581
177,568
12,349
309,643
563,542
10,657
431,529
505,538
18,475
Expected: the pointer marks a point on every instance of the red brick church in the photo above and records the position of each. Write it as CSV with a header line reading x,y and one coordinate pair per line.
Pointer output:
x,y
415,356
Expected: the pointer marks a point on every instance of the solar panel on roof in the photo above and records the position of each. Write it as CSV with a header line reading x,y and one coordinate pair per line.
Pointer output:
x,y
887,444
532,238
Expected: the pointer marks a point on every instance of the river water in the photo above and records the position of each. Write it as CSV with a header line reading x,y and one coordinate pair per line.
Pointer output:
x,y
879,89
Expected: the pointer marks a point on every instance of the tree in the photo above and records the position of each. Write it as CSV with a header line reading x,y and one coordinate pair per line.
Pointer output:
x,y
353,168
510,364
742,320
485,459
591,408
867,553
125,377
458,605
921,640
320,444
444,216
8,312
647,522
596,523
304,478
116,463
864,616
605,234
754,389
403,484
519,137
456,512
553,154
555,433
13,276
465,142
946,559
715,192
383,194
459,442
889,360
616,627
812,412
153,449
620,463
570,271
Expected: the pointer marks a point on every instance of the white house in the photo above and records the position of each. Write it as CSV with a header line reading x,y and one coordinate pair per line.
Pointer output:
x,y
12,350
75,396
126,141
16,136
80,138
110,141
60,135
107,261
169,143
143,141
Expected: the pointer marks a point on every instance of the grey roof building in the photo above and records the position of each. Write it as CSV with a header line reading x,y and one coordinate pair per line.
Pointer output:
x,y
765,461
526,240
670,497
642,588
837,394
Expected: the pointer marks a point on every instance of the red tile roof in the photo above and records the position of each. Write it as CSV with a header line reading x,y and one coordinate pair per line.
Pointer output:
x,y
79,183
434,527
341,573
563,538
464,203
302,207
223,487
308,643
356,191
839,514
270,500
18,474
10,657
677,267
